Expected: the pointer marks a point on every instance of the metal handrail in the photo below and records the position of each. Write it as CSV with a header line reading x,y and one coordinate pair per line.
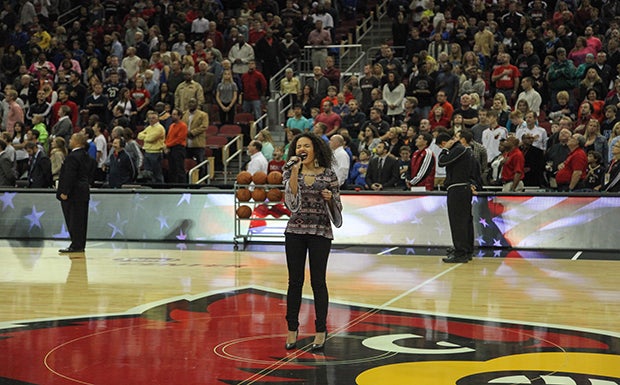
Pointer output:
x,y
357,67
364,28
381,11
346,52
343,49
367,24
274,82
73,11
339,46
282,109
197,169
255,124
226,159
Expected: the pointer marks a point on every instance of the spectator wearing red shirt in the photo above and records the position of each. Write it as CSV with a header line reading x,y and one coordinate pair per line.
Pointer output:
x,y
254,86
142,97
332,91
63,100
175,143
277,163
328,117
256,32
591,40
439,118
442,101
216,36
199,54
513,170
572,173
148,11
505,77
331,72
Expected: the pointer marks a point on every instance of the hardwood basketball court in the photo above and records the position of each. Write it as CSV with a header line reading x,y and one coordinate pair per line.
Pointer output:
x,y
166,313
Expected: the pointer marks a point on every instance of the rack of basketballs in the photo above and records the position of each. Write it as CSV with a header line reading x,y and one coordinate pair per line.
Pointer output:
x,y
258,198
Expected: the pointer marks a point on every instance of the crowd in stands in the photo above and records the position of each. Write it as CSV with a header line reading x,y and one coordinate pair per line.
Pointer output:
x,y
154,74
532,87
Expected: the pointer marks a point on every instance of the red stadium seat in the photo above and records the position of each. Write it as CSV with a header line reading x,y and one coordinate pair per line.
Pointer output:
x,y
243,117
215,142
212,130
230,130
189,164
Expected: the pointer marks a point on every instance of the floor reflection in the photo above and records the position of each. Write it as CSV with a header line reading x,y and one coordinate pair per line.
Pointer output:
x,y
237,337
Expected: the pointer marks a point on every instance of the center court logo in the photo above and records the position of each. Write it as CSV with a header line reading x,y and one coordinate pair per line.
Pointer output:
x,y
237,338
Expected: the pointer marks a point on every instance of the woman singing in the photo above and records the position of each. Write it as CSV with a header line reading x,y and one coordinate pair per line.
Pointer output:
x,y
312,195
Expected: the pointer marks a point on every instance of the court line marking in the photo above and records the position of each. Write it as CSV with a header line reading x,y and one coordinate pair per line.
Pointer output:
x,y
385,306
577,255
416,288
387,251
278,364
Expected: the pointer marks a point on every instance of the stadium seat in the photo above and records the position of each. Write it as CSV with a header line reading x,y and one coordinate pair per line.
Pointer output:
x,y
212,130
229,130
243,118
215,142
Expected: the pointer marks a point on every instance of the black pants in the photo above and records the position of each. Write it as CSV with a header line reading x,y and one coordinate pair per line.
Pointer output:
x,y
227,117
76,218
198,154
461,219
176,164
297,246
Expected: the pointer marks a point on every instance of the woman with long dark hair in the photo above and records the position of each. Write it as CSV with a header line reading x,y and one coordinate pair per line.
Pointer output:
x,y
307,100
313,197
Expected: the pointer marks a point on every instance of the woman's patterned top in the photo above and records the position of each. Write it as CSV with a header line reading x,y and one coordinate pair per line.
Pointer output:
x,y
310,213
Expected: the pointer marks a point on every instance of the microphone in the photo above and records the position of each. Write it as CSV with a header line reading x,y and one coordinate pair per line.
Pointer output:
x,y
292,162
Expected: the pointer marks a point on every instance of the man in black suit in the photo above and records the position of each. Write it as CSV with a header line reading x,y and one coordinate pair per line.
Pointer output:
x,y
40,169
74,191
383,171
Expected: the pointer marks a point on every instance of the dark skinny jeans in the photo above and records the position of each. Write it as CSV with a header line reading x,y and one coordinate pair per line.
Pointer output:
x,y
297,246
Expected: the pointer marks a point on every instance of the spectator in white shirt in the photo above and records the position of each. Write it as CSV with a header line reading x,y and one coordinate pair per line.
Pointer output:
x,y
538,133
342,161
258,162
530,95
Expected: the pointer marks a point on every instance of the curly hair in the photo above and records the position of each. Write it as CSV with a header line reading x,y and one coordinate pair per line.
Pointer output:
x,y
322,152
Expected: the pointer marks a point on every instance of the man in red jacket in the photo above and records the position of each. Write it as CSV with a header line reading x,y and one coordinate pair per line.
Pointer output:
x,y
572,172
423,163
254,87
63,100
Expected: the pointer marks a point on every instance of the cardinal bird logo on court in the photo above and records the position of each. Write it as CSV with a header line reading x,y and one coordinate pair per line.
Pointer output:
x,y
238,338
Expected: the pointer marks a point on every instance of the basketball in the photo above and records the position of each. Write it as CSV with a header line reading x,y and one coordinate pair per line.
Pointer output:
x,y
244,195
244,211
274,177
259,177
274,195
259,195
244,177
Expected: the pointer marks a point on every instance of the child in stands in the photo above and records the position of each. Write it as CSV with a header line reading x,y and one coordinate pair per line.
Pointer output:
x,y
276,163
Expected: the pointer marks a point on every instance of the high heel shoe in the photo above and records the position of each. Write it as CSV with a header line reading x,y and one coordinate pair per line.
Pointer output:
x,y
292,345
315,347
